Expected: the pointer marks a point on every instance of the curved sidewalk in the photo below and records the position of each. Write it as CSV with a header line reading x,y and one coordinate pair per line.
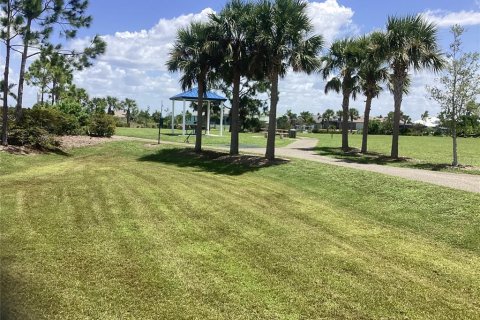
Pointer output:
x,y
304,149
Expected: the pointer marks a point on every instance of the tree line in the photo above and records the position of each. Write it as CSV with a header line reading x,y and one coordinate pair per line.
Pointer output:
x,y
28,29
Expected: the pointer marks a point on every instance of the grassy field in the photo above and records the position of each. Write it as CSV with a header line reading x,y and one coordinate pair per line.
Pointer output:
x,y
121,231
426,152
247,140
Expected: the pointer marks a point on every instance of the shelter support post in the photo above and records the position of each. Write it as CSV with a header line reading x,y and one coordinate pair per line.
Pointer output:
x,y
221,119
173,116
183,119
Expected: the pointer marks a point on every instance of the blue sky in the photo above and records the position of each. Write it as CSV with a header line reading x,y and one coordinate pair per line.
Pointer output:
x,y
139,37
112,16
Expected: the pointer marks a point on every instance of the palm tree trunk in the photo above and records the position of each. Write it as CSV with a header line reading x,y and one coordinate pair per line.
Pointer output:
x,y
345,103
234,123
21,79
198,131
454,137
128,117
397,96
366,119
5,81
272,119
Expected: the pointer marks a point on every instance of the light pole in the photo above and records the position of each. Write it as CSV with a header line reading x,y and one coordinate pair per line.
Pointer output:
x,y
160,122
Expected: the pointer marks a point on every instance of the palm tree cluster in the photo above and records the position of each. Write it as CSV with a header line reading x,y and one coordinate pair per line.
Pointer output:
x,y
363,64
263,40
259,41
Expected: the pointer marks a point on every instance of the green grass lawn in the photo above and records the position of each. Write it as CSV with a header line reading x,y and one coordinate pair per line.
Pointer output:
x,y
424,152
122,231
247,140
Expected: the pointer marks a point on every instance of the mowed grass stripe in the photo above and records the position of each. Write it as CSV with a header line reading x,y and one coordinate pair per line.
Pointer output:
x,y
151,239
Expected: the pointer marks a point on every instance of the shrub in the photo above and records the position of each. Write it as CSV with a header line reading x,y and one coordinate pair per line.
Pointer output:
x,y
101,125
34,137
51,120
74,109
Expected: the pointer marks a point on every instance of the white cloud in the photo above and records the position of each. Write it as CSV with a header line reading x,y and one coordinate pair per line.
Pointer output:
x,y
447,18
329,19
134,64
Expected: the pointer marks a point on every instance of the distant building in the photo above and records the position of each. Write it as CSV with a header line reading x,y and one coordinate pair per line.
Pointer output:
x,y
120,114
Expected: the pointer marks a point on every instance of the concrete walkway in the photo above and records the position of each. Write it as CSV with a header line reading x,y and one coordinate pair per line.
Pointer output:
x,y
304,149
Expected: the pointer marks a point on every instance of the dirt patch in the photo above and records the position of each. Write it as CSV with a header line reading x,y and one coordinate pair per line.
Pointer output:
x,y
69,142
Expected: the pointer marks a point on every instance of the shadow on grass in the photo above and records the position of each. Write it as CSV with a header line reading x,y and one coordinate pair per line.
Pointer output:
x,y
211,161
354,155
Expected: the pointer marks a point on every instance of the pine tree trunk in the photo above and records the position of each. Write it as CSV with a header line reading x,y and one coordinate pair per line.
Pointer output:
x,y
198,131
345,103
21,79
5,81
272,119
454,138
397,96
234,119
366,120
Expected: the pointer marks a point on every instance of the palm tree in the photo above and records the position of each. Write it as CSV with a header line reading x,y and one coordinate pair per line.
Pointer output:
x,y
372,72
411,43
344,59
339,115
406,119
130,106
191,54
9,90
353,115
425,115
113,104
232,25
281,29
327,116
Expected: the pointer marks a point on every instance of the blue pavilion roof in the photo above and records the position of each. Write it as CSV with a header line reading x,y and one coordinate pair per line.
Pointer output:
x,y
192,95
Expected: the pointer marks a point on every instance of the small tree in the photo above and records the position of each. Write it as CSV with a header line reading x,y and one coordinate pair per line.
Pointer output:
x,y
339,115
406,119
131,109
327,116
307,118
425,115
459,84
353,115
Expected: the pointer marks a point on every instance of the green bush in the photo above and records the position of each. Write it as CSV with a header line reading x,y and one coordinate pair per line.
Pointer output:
x,y
51,120
74,109
101,125
35,137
